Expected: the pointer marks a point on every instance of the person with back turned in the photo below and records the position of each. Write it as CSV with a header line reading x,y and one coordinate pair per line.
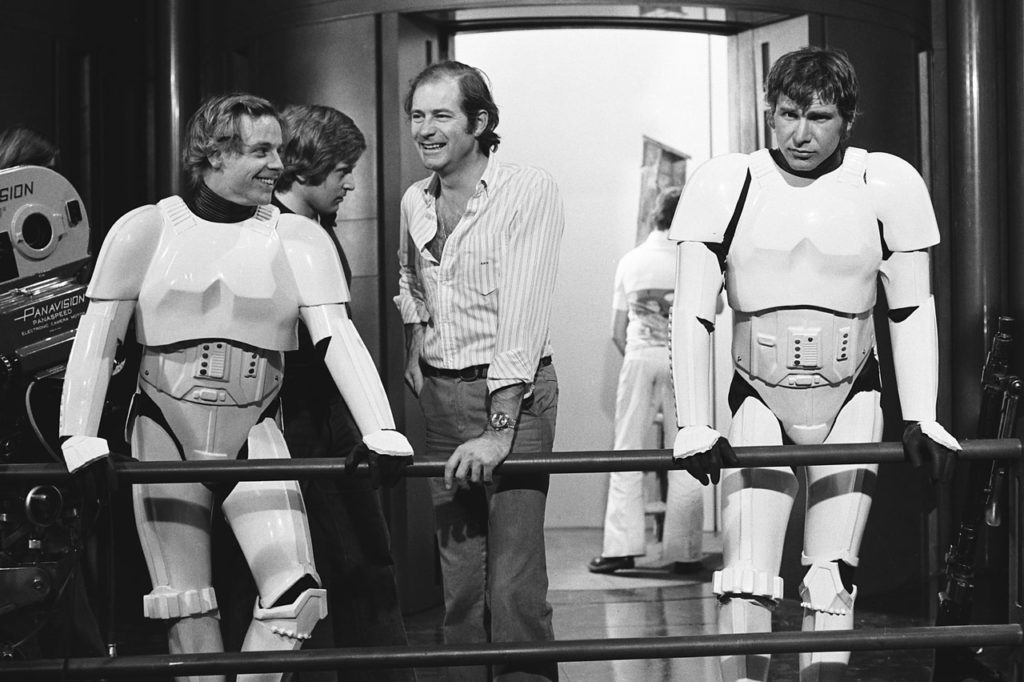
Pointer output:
x,y
642,298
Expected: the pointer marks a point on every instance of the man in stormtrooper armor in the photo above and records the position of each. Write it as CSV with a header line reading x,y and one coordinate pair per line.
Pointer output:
x,y
216,283
799,234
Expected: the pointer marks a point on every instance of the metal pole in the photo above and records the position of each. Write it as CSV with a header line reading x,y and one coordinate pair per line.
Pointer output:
x,y
1015,504
1014,150
519,652
176,88
554,463
1014,88
975,211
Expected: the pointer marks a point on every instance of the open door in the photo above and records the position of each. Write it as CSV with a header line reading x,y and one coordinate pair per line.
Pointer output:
x,y
751,55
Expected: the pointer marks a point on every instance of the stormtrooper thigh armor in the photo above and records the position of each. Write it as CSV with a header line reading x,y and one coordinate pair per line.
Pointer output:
x,y
837,511
756,511
801,276
756,507
206,401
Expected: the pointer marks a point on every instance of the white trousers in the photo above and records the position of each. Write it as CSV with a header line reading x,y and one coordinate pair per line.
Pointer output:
x,y
645,388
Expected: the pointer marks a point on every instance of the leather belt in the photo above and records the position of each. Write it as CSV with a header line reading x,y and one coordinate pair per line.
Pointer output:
x,y
471,373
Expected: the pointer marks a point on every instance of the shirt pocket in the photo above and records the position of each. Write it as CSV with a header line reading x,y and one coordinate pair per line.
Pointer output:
x,y
481,271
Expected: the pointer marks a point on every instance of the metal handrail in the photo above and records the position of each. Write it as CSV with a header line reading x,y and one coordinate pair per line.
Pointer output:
x,y
436,655
555,463
473,654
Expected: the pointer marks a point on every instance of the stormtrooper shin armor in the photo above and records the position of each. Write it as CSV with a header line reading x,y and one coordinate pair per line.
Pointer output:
x,y
215,307
803,259
187,410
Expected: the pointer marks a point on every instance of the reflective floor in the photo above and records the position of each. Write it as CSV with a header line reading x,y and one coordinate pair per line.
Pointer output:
x,y
651,601
648,601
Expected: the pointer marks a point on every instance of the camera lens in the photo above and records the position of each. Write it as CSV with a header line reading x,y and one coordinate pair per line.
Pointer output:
x,y
43,505
37,231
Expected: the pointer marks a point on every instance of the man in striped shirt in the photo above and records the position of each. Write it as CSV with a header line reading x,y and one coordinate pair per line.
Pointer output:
x,y
478,257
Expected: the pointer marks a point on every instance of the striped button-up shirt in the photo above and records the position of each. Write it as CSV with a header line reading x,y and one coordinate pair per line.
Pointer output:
x,y
488,301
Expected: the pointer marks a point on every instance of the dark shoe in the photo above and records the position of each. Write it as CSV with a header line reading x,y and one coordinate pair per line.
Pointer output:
x,y
687,567
609,564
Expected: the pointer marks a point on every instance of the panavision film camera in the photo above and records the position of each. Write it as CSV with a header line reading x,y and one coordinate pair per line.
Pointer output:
x,y
44,256
44,269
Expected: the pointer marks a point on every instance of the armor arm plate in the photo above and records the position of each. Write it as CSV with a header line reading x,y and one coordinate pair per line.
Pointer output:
x,y
698,283
915,354
709,199
87,376
314,261
352,368
126,254
906,278
902,203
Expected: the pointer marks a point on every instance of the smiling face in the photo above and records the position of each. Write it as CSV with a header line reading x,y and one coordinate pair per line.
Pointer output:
x,y
247,176
444,136
806,136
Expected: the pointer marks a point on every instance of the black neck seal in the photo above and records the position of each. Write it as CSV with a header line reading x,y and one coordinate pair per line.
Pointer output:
x,y
209,205
835,160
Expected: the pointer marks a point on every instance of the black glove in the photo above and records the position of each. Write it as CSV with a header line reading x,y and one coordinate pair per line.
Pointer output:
x,y
707,466
93,485
95,480
919,448
384,469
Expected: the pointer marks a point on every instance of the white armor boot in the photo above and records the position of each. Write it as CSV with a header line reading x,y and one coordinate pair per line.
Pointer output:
x,y
279,553
283,628
827,606
740,613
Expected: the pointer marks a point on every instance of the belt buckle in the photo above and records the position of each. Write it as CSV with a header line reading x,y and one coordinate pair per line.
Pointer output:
x,y
469,373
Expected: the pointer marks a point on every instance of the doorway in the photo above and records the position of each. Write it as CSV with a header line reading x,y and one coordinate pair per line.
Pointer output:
x,y
583,103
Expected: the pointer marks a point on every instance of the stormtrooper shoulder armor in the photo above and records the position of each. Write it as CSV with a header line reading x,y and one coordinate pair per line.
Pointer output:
x,y
902,203
709,199
126,254
314,261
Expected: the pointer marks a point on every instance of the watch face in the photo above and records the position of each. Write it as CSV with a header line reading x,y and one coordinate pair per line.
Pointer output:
x,y
500,421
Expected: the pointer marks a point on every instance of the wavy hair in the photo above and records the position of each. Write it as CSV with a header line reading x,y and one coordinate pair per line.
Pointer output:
x,y
665,208
476,97
810,72
319,138
21,146
214,127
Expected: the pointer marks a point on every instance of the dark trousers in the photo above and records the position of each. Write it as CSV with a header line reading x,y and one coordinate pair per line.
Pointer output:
x,y
491,537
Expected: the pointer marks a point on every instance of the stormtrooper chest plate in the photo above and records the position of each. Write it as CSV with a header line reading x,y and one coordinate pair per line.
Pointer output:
x,y
807,243
218,281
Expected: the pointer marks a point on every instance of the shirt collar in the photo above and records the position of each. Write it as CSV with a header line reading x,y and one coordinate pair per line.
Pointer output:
x,y
658,238
487,181
490,177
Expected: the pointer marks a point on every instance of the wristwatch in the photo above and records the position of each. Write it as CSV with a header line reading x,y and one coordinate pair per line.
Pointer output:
x,y
499,421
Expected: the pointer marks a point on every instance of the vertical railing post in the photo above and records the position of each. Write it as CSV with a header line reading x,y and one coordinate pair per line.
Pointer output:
x,y
1015,508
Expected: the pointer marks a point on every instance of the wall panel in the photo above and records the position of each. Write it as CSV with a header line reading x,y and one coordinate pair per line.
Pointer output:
x,y
334,64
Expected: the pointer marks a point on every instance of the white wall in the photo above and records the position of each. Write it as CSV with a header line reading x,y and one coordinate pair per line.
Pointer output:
x,y
578,103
